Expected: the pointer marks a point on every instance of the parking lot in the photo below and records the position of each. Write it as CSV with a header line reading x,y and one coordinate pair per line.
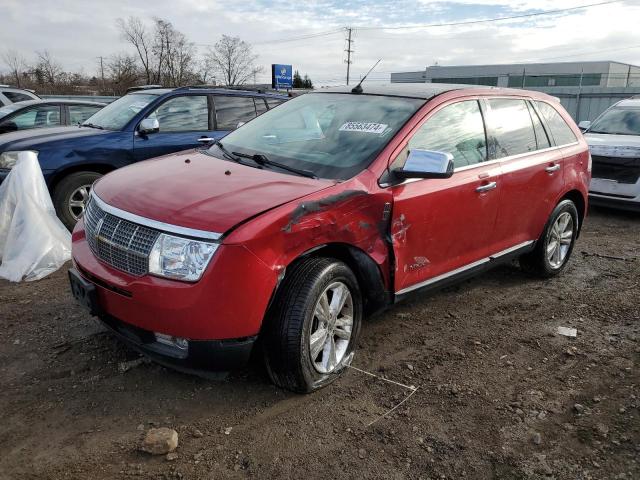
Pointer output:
x,y
499,393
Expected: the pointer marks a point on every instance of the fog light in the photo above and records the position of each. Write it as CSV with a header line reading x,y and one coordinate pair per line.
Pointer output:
x,y
178,342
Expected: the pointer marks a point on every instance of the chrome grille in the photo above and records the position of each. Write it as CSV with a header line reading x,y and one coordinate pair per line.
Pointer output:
x,y
120,243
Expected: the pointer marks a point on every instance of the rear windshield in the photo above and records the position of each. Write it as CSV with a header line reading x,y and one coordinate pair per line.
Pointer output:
x,y
618,121
332,135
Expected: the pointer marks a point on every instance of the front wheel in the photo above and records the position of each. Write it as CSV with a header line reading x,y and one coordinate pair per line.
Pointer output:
x,y
71,194
313,325
553,248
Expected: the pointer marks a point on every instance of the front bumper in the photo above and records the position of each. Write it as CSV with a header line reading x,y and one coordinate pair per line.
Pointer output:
x,y
199,356
610,193
228,302
600,200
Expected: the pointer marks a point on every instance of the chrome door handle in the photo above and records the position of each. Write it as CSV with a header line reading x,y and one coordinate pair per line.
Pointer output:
x,y
206,139
487,187
552,168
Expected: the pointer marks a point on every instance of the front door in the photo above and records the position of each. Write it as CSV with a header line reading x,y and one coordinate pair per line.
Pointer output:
x,y
443,226
183,121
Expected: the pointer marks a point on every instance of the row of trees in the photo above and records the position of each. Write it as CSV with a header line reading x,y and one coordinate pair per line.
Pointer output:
x,y
160,54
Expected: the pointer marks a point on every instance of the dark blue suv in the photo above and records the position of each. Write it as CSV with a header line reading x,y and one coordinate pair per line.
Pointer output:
x,y
140,125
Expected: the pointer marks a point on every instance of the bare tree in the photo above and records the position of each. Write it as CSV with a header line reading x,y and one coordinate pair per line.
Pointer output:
x,y
47,68
16,63
174,52
233,60
123,72
134,31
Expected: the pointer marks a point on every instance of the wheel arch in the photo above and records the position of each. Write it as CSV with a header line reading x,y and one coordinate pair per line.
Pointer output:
x,y
581,205
375,295
101,168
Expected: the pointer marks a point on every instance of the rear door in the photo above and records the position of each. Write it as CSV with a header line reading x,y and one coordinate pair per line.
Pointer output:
x,y
183,121
442,226
532,170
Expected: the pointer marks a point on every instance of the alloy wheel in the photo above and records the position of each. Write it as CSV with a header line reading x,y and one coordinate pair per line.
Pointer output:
x,y
559,240
78,200
331,327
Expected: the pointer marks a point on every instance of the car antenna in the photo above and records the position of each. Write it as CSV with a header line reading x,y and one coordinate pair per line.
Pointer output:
x,y
358,88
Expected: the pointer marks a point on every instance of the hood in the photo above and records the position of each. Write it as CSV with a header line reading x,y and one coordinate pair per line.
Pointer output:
x,y
613,145
195,190
38,137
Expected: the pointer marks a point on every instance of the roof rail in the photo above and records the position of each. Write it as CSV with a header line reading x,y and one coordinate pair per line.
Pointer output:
x,y
224,87
142,87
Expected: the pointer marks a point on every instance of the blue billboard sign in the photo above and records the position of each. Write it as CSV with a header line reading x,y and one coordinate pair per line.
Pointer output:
x,y
281,76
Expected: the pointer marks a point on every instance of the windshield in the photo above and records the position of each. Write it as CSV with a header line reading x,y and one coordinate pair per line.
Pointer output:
x,y
332,135
618,121
6,110
117,114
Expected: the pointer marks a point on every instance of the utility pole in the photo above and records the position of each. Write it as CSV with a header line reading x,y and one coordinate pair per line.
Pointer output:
x,y
102,72
349,52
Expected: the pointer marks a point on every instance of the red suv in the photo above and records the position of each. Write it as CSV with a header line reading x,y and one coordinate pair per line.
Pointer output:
x,y
321,211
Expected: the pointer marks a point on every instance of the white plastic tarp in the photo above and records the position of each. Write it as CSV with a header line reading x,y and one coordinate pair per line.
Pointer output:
x,y
33,242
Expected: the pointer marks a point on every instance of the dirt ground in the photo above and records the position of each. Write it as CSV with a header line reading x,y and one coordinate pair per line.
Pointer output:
x,y
500,395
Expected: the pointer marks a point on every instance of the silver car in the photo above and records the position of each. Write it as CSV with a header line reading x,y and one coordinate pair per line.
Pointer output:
x,y
614,142
9,95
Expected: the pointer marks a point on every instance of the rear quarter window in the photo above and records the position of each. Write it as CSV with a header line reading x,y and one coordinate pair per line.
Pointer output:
x,y
559,129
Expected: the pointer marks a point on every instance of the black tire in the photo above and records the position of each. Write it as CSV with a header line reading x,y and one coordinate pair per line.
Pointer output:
x,y
289,322
537,261
65,189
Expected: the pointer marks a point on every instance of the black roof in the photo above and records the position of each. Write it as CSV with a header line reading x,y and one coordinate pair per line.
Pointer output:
x,y
413,90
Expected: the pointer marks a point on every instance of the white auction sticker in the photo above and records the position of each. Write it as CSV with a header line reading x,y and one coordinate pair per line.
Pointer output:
x,y
365,127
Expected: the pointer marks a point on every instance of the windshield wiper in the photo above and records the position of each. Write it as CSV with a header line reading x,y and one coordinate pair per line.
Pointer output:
x,y
224,151
92,125
263,160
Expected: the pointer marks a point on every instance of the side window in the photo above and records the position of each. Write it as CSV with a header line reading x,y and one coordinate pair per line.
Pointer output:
x,y
16,97
189,113
232,110
457,129
511,127
261,106
36,117
560,131
541,136
274,102
81,113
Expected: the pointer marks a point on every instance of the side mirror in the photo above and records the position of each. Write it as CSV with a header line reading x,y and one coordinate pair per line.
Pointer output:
x,y
584,125
426,164
149,125
240,124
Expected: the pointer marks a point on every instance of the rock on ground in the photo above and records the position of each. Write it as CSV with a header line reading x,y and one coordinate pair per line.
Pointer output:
x,y
160,441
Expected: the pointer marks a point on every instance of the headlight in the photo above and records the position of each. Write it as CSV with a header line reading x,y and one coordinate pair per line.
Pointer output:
x,y
9,159
180,258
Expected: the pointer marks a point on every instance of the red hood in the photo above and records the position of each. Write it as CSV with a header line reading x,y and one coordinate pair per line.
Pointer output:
x,y
195,190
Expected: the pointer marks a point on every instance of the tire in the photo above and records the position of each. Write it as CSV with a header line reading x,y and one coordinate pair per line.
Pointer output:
x,y
68,190
297,317
545,261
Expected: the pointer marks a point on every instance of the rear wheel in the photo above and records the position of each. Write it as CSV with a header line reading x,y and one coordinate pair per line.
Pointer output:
x,y
71,194
553,249
313,326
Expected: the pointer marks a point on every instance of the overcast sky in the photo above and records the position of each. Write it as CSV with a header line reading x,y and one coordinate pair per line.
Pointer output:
x,y
77,32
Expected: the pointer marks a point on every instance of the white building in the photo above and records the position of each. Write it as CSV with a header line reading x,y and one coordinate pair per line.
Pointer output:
x,y
529,75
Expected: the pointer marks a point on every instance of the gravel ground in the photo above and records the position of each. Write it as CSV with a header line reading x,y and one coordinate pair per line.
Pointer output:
x,y
499,393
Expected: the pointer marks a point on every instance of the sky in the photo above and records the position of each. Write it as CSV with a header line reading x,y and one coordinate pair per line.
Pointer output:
x,y
76,32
